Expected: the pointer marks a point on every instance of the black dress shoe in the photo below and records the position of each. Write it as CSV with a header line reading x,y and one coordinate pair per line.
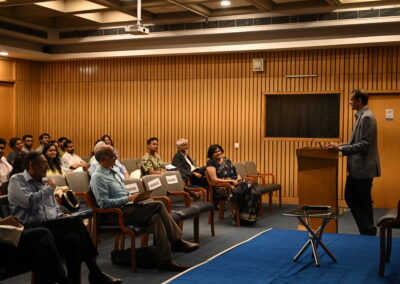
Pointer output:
x,y
182,245
171,266
103,278
370,230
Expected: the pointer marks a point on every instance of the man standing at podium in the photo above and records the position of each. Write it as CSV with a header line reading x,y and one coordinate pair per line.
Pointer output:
x,y
362,163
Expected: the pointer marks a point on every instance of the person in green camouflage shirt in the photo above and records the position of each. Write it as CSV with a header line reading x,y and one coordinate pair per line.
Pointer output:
x,y
151,163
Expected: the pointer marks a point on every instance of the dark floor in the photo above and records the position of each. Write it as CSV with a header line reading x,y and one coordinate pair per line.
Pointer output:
x,y
226,236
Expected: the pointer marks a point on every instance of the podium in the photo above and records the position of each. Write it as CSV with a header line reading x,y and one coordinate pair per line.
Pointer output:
x,y
318,180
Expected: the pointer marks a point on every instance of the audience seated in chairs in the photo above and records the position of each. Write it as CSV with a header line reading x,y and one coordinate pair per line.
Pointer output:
x,y
185,165
94,164
16,145
28,143
110,192
36,250
33,202
152,164
43,139
71,160
50,151
5,167
221,169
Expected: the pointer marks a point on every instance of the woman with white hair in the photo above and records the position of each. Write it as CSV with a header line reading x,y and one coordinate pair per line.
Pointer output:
x,y
186,166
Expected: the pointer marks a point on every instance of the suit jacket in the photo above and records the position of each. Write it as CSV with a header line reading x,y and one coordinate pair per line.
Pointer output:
x,y
182,165
362,150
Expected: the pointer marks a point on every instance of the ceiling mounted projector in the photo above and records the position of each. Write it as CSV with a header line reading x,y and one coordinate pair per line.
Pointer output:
x,y
137,30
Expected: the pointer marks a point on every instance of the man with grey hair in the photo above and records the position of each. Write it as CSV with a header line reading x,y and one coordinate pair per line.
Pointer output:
x,y
110,192
94,164
186,166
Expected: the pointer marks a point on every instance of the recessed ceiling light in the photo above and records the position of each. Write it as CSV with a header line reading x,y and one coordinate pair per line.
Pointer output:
x,y
3,53
225,3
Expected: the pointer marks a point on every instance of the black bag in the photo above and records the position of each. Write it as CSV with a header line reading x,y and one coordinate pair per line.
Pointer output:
x,y
69,200
146,257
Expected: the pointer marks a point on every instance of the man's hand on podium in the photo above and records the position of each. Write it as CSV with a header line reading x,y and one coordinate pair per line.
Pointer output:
x,y
333,146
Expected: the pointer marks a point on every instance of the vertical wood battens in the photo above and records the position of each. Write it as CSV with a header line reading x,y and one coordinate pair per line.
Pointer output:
x,y
205,98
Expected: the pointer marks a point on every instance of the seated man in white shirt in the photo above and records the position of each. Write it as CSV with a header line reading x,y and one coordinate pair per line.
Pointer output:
x,y
70,160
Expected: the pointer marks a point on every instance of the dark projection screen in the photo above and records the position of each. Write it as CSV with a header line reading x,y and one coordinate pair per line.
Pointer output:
x,y
305,116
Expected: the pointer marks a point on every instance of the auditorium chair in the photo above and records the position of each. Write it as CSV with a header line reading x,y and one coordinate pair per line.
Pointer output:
x,y
119,231
263,189
16,270
78,182
180,199
159,188
131,164
388,221
86,159
210,194
251,170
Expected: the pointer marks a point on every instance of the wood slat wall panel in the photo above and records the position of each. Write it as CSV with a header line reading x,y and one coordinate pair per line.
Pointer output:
x,y
205,98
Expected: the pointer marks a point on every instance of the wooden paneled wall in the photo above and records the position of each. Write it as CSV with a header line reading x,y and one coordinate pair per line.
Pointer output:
x,y
205,98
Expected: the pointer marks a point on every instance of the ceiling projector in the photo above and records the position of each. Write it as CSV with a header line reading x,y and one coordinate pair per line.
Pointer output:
x,y
137,30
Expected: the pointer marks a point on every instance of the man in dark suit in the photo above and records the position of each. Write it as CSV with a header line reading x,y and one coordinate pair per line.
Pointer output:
x,y
186,166
362,163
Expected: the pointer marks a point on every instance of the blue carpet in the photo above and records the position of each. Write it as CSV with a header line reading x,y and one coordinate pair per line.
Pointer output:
x,y
268,259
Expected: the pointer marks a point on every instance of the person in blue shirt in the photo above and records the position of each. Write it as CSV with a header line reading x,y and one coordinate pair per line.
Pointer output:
x,y
32,201
110,192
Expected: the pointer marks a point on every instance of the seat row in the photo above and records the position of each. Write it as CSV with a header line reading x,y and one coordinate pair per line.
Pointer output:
x,y
168,188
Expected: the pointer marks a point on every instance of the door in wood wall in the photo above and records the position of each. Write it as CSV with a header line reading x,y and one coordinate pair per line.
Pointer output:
x,y
7,124
386,189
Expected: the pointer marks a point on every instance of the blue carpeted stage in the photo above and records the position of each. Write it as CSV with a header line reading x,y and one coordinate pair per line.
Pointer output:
x,y
267,258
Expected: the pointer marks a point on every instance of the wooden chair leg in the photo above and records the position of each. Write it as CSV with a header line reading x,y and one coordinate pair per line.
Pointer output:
x,y
383,251
221,209
89,227
95,237
122,242
388,244
33,277
280,198
145,240
260,207
211,221
270,201
237,215
133,253
196,229
116,241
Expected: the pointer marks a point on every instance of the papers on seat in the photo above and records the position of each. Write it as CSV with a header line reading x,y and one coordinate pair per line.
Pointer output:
x,y
170,167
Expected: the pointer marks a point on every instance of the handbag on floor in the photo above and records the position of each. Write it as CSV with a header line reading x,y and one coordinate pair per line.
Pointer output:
x,y
146,257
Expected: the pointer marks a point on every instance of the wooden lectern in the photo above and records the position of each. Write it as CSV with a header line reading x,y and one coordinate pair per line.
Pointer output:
x,y
317,180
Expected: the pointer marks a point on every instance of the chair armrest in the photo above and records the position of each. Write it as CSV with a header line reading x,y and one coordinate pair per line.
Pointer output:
x,y
258,176
222,184
198,189
248,179
164,199
185,195
268,174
